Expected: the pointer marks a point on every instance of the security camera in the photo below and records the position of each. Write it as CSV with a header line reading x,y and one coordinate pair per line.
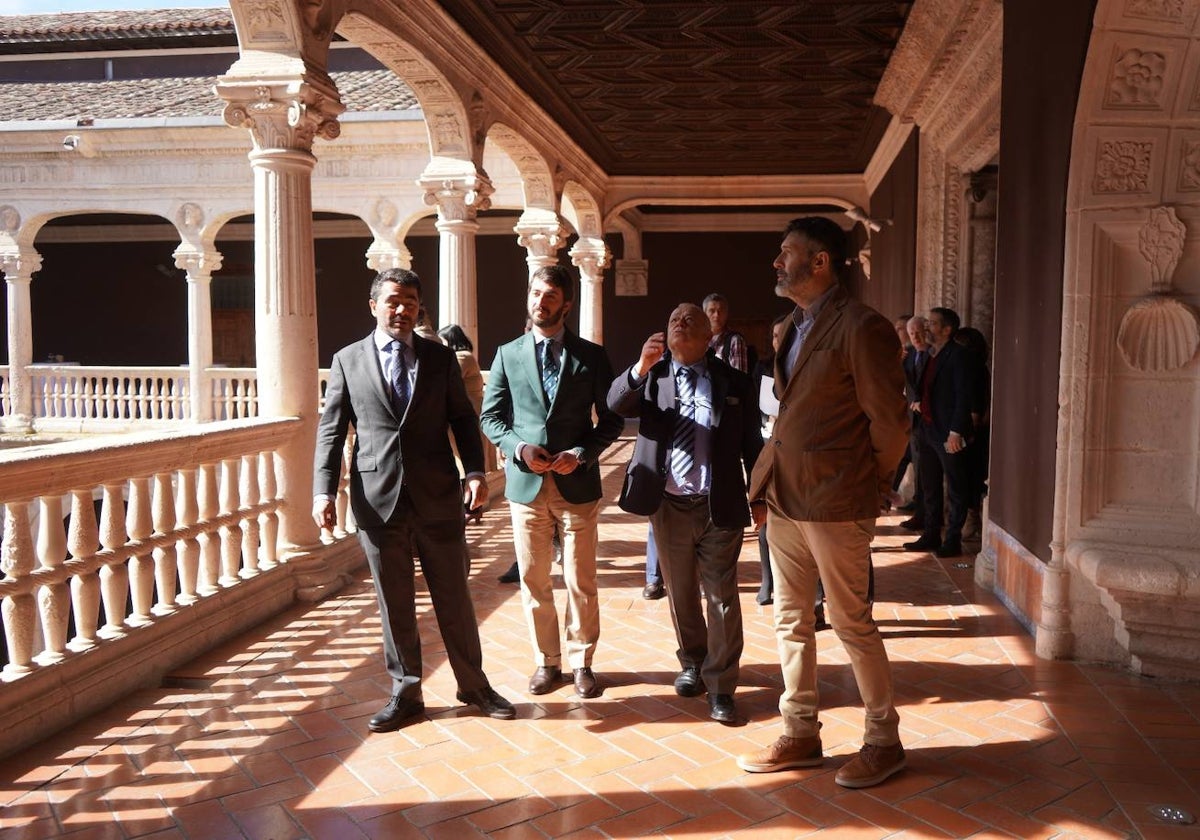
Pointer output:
x,y
71,142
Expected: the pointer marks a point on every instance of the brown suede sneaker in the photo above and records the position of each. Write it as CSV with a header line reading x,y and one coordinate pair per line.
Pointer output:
x,y
872,765
784,754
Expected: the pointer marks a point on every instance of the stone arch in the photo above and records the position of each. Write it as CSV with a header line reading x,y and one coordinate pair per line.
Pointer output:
x,y
537,180
451,142
582,211
1127,509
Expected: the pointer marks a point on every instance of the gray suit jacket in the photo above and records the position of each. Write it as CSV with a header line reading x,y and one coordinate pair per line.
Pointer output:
x,y
392,452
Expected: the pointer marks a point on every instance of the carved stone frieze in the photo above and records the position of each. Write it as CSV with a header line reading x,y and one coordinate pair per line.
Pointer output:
x,y
1189,169
1123,166
1160,242
1171,10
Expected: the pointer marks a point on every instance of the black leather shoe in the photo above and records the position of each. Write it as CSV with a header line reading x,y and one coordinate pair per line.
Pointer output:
x,y
949,549
398,710
585,683
544,679
820,623
923,544
687,684
489,702
653,591
720,708
511,576
912,524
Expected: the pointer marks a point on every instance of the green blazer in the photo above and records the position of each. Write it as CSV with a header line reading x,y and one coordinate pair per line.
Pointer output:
x,y
515,410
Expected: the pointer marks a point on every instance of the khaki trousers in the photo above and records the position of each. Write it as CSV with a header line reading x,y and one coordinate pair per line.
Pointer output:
x,y
840,553
533,535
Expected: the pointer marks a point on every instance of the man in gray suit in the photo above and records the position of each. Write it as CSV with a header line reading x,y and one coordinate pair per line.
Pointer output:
x,y
697,441
401,392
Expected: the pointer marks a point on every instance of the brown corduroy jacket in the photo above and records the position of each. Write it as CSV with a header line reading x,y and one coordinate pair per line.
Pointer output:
x,y
843,422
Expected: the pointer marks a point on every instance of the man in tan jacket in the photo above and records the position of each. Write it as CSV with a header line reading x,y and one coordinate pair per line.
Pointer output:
x,y
819,484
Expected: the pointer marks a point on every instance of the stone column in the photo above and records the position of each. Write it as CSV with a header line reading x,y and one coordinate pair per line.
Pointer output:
x,y
199,265
542,236
18,267
457,199
283,117
591,256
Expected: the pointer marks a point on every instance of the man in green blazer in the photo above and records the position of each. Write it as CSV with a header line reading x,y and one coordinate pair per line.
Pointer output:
x,y
538,407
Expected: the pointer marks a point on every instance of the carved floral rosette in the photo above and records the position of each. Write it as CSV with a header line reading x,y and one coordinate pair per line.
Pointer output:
x,y
1159,332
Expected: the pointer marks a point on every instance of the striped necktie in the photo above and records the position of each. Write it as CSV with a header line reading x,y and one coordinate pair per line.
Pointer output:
x,y
683,441
550,370
401,391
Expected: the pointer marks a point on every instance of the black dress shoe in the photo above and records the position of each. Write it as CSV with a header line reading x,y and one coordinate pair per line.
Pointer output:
x,y
489,702
585,683
511,576
913,524
687,684
820,623
544,679
923,544
398,710
720,708
949,549
653,591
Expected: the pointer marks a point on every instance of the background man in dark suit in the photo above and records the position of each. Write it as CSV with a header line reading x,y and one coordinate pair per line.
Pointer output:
x,y
914,368
820,483
944,428
401,392
698,438
541,392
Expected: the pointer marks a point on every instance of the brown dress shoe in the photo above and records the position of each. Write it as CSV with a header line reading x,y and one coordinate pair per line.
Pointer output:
x,y
585,683
785,754
544,679
872,765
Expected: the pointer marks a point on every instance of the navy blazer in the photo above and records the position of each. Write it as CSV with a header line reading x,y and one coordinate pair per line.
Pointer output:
x,y
736,441
951,390
391,452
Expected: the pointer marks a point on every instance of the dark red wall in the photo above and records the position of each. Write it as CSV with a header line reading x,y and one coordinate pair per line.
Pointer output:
x,y
1044,49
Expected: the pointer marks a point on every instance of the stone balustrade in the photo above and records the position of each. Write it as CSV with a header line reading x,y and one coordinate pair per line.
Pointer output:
x,y
108,393
105,535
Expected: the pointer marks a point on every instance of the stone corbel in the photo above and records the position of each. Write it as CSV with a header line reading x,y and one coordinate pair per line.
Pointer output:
x,y
281,114
1159,332
383,255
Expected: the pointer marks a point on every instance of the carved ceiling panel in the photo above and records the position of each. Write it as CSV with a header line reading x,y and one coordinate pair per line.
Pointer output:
x,y
689,87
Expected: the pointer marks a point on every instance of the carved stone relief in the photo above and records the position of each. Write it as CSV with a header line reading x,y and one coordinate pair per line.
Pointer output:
x,y
1136,80
1123,166
10,219
1159,332
633,278
1155,9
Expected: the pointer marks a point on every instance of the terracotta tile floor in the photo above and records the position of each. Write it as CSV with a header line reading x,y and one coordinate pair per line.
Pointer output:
x,y
267,737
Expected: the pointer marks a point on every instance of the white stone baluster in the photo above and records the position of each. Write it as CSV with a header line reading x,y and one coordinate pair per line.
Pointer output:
x,y
163,514
140,525
268,522
19,610
54,599
114,576
187,549
82,542
231,535
248,490
210,543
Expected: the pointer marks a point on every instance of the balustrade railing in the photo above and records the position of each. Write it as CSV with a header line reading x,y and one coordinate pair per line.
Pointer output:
x,y
96,392
5,395
105,535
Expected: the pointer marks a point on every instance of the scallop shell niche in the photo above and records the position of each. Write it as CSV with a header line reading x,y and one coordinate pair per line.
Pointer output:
x,y
1159,332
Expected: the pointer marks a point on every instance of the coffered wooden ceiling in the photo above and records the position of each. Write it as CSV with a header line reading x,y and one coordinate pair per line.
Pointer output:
x,y
687,87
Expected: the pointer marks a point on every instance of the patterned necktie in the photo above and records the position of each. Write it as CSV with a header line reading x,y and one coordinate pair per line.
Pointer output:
x,y
683,441
401,392
549,370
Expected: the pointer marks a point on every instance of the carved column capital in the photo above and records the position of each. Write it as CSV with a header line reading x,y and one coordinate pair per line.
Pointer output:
x,y
19,264
199,264
382,256
459,197
541,239
281,114
590,256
